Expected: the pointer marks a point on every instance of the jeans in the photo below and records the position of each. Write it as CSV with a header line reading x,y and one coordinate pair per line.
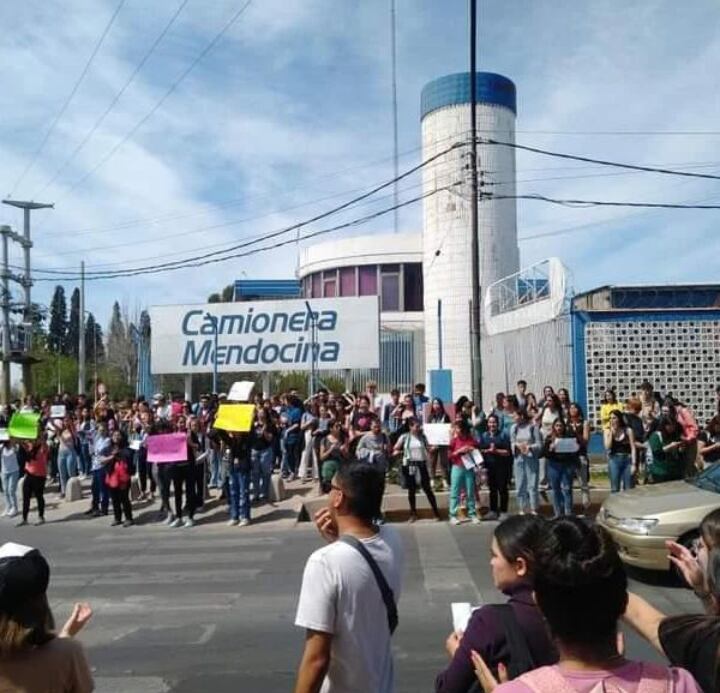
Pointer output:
x,y
239,493
100,493
262,465
560,476
215,460
10,484
526,469
85,459
291,458
67,466
620,471
459,478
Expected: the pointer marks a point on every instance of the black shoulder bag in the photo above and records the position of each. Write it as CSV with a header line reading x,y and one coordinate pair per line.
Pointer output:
x,y
385,590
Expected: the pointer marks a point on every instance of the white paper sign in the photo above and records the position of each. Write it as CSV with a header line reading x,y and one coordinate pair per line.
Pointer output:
x,y
4,435
240,391
566,445
266,336
135,444
472,460
57,411
461,612
437,433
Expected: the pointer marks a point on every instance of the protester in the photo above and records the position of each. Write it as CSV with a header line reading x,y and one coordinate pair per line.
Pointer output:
x,y
239,471
374,447
413,449
292,438
334,452
180,474
581,589
709,442
495,448
262,438
36,469
350,590
100,457
580,428
608,406
526,444
10,468
619,442
118,474
521,394
462,472
308,469
32,657
512,562
562,464
666,445
438,453
66,455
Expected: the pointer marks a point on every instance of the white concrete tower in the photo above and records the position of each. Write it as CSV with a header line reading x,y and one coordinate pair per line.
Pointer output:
x,y
447,240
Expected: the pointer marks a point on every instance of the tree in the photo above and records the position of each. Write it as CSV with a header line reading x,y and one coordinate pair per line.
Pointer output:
x,y
94,348
73,328
121,345
227,295
57,330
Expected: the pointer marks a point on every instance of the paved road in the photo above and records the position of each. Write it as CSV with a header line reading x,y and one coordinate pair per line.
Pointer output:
x,y
211,608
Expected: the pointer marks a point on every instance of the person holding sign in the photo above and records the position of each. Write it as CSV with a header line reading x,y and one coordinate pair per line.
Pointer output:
x,y
237,450
439,453
462,474
36,468
561,450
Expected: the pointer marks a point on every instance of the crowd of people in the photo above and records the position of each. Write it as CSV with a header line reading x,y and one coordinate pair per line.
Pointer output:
x,y
532,444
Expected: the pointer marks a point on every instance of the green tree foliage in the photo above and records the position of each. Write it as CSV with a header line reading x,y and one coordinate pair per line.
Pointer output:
x,y
57,329
227,295
73,326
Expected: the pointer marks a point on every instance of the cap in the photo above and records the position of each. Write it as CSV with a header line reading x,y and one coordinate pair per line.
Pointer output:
x,y
24,574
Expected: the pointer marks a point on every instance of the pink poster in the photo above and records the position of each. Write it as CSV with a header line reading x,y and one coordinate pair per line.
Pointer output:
x,y
167,447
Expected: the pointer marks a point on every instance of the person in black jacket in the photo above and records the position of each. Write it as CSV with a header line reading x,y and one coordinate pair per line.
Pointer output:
x,y
118,476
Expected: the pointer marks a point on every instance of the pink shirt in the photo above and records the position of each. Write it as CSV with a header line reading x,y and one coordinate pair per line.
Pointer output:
x,y
627,677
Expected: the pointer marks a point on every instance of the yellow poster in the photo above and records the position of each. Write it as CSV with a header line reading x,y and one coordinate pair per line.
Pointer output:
x,y
235,417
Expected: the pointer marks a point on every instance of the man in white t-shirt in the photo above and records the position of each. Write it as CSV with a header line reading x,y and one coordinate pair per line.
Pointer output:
x,y
341,607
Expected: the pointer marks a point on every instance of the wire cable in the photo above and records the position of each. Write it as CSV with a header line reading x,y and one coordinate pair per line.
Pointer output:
x,y
109,155
601,162
600,203
115,99
69,98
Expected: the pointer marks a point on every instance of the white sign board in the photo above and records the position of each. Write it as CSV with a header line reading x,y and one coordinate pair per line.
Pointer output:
x,y
437,433
240,391
57,411
266,336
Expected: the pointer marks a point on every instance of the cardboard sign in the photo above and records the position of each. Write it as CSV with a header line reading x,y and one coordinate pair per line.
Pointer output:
x,y
235,417
472,460
567,445
437,433
240,391
58,411
167,447
24,425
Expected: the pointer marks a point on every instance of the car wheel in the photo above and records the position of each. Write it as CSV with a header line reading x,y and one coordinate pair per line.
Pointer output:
x,y
687,540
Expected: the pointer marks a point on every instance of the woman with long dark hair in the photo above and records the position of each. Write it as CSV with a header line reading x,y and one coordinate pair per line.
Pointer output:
x,y
462,477
513,561
668,448
579,426
438,453
561,466
36,466
118,475
495,448
622,454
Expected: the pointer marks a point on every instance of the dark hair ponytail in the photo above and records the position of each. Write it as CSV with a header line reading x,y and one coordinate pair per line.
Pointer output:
x,y
519,537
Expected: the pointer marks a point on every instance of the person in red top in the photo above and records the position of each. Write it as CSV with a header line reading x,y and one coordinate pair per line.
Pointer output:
x,y
462,444
35,476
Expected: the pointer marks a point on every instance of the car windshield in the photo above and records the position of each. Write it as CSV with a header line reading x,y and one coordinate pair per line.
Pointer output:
x,y
708,479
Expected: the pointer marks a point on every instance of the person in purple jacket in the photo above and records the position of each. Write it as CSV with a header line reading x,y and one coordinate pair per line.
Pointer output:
x,y
513,563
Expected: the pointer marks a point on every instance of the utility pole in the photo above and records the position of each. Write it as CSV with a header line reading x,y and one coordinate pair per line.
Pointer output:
x,y
81,333
474,230
26,243
396,155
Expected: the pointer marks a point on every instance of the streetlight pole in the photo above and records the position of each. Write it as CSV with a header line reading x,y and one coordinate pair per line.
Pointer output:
x,y
474,230
213,319
313,354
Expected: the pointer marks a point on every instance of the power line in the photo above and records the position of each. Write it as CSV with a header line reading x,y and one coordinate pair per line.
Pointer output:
x,y
69,98
313,219
601,162
253,251
601,203
162,99
116,98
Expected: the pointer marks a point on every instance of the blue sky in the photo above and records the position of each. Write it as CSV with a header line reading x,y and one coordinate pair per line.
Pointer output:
x,y
290,114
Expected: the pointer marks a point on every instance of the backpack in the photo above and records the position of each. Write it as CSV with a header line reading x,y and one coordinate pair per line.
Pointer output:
x,y
655,678
120,475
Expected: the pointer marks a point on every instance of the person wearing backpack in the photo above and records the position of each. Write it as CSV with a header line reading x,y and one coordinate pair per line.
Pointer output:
x,y
348,599
581,589
513,634
118,474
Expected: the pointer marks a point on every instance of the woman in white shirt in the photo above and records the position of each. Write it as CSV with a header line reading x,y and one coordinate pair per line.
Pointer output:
x,y
10,468
414,450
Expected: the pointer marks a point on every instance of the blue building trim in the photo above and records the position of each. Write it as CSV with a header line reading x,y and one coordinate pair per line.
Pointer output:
x,y
452,90
652,316
579,365
261,289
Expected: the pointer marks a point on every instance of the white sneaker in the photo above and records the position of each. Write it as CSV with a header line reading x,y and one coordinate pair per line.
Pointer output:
x,y
244,522
232,523
490,516
475,520
169,519
13,513
189,522
176,523
5,512
454,521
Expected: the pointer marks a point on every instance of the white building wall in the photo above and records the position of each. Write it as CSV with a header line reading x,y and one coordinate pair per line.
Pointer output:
x,y
447,239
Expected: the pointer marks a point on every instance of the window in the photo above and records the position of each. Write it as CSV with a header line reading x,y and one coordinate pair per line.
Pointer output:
x,y
316,285
390,295
347,281
413,286
330,284
368,280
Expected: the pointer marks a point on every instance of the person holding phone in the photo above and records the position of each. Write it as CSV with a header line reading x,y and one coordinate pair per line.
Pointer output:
x,y
462,446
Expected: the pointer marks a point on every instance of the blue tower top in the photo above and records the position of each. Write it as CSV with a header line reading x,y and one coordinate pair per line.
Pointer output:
x,y
452,90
